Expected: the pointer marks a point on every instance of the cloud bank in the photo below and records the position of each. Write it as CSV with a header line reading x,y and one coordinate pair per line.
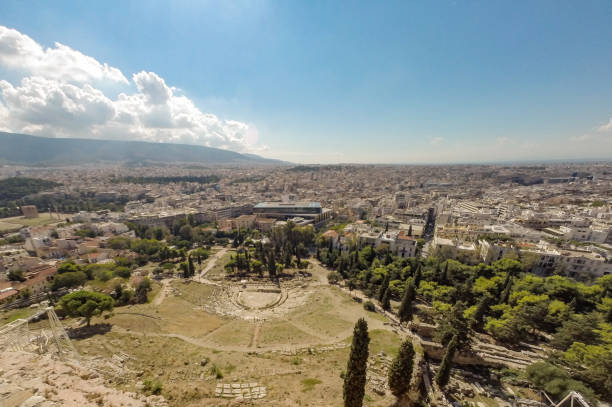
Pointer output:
x,y
59,95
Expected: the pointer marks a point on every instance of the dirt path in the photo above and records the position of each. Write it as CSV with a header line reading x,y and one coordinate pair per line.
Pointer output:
x,y
159,298
226,348
211,263
255,337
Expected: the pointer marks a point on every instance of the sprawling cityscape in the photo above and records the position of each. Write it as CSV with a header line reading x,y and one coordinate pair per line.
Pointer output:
x,y
244,283
305,203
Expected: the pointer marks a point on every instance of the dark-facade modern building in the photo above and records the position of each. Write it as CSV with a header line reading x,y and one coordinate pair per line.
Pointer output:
x,y
288,210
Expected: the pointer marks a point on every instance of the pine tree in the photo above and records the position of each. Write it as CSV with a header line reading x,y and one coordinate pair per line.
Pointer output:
x,y
386,300
383,287
400,371
405,310
443,374
355,378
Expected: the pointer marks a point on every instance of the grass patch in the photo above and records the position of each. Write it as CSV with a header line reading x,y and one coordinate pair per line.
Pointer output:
x,y
193,292
386,341
234,333
283,332
19,313
309,384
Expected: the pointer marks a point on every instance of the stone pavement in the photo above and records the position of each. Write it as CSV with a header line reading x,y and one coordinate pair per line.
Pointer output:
x,y
240,391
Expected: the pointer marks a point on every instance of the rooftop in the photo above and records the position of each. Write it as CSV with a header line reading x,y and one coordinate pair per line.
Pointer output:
x,y
288,205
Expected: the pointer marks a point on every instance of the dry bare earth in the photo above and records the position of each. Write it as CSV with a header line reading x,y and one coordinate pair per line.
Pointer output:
x,y
298,353
31,380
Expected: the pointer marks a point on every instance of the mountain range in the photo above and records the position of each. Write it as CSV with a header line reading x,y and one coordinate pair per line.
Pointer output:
x,y
34,150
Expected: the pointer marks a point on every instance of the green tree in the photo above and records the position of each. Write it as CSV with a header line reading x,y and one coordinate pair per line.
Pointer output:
x,y
443,374
70,280
418,274
383,287
400,371
386,300
555,381
355,378
68,267
483,306
142,289
454,326
85,304
16,275
405,310
191,267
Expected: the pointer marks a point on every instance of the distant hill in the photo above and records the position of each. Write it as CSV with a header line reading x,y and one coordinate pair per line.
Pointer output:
x,y
25,149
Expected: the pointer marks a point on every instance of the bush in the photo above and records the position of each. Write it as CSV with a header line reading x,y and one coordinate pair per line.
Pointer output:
x,y
123,272
369,306
215,371
124,262
16,275
152,387
103,275
334,277
555,381
69,280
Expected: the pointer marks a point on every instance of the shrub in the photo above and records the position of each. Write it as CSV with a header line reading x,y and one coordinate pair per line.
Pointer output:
x,y
215,371
123,272
333,277
152,387
369,306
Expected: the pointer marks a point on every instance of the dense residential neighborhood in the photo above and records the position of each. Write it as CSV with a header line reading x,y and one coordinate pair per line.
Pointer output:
x,y
427,248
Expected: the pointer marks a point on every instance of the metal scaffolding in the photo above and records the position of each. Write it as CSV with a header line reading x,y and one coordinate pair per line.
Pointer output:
x,y
19,336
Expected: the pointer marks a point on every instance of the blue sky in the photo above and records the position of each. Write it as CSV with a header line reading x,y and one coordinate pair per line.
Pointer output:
x,y
315,81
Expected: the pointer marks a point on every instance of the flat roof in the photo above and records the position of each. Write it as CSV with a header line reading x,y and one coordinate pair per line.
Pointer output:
x,y
288,205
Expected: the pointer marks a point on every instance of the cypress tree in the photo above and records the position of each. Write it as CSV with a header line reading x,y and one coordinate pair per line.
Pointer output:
x,y
386,300
383,287
191,267
418,274
405,310
443,374
400,371
355,379
444,279
480,312
505,295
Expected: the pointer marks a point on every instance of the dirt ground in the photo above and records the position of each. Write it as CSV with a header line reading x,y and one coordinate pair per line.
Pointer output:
x,y
297,352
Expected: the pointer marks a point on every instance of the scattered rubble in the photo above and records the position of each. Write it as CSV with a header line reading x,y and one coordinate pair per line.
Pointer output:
x,y
30,380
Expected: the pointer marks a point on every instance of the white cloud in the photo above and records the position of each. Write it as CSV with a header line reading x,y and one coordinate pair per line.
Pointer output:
x,y
60,99
605,127
20,52
503,140
436,141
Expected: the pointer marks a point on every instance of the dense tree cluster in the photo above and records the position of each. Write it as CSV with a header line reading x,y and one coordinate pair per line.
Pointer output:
x,y
500,299
286,247
14,189
72,275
